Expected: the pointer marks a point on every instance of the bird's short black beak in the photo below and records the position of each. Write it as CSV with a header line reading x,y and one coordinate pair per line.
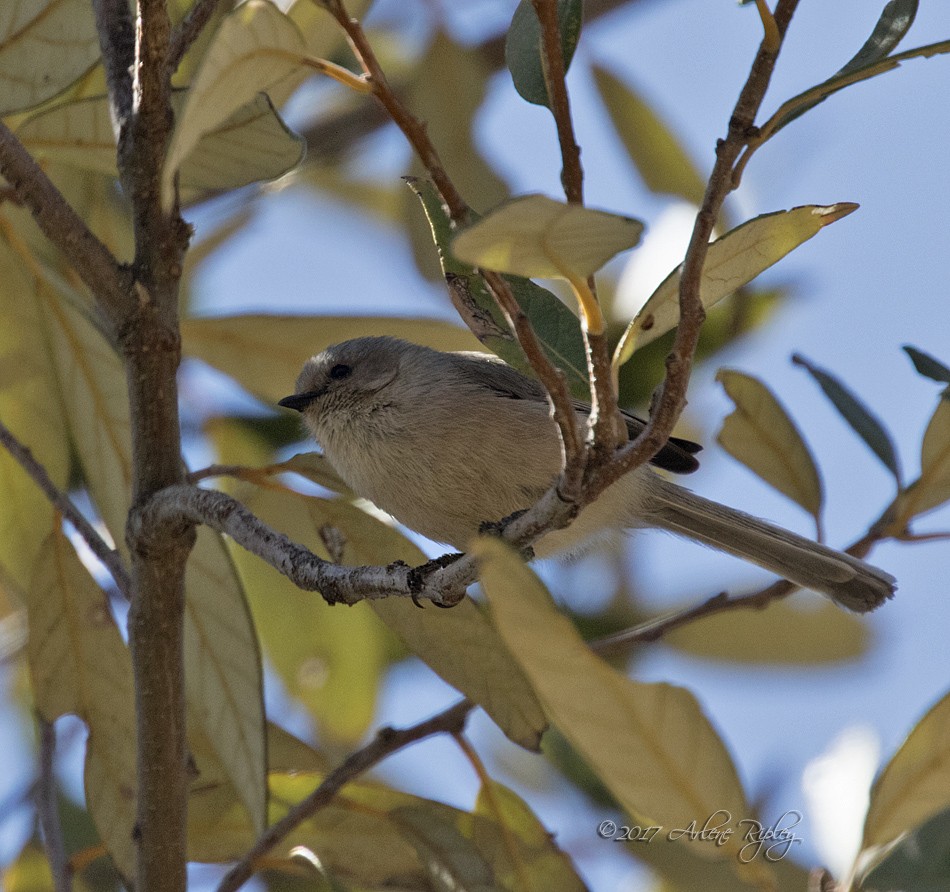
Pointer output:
x,y
298,401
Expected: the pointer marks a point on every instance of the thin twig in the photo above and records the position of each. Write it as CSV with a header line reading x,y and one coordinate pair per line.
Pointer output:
x,y
386,742
678,364
552,63
47,808
654,629
411,126
188,31
106,278
61,502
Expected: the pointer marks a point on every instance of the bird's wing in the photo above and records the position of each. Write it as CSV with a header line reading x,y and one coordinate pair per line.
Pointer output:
x,y
490,371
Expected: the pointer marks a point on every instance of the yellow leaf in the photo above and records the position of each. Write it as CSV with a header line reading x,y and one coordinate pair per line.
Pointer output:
x,y
732,261
30,407
29,872
80,665
252,144
265,353
44,46
536,236
760,434
329,659
932,488
459,644
254,49
658,155
522,852
223,674
786,633
650,744
915,784
95,402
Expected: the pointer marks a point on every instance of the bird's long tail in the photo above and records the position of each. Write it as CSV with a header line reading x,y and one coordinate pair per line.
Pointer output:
x,y
850,582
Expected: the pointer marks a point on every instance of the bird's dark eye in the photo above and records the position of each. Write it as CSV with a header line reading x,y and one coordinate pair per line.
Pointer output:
x,y
340,371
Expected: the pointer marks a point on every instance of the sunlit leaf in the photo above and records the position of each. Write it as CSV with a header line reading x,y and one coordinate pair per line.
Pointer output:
x,y
915,784
557,328
864,424
927,365
659,156
894,23
534,235
30,407
252,144
932,488
732,261
265,353
760,434
80,665
255,48
650,744
518,845
523,47
44,46
784,634
223,674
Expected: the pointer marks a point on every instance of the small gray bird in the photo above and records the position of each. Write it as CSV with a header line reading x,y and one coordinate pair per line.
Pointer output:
x,y
445,442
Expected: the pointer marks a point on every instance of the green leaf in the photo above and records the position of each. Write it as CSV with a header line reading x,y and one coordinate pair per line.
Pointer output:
x,y
932,488
650,744
732,261
557,328
927,365
255,49
523,47
760,434
894,23
45,45
871,60
451,861
658,155
29,872
864,424
79,665
534,235
223,673
915,784
919,862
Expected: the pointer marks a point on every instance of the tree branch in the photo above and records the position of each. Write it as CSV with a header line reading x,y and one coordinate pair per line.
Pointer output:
x,y
679,362
48,809
188,31
151,349
103,275
386,742
61,502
